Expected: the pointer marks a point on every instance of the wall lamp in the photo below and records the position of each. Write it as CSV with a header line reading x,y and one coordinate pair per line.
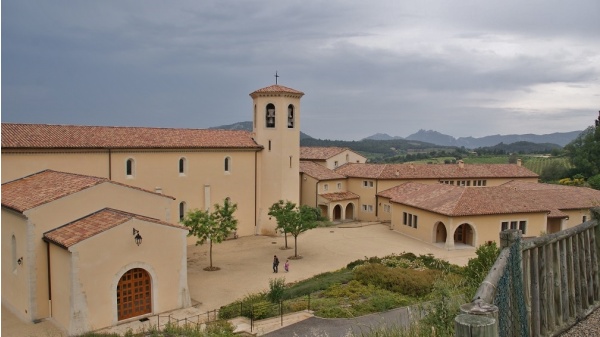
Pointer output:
x,y
137,237
20,261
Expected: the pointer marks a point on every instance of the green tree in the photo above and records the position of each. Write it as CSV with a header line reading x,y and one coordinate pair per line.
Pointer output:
x,y
584,152
553,171
283,211
294,220
212,227
594,182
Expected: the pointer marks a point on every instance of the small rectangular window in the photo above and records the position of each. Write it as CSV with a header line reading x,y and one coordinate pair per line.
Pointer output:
x,y
584,219
504,225
513,225
325,187
415,221
523,227
404,216
339,186
410,220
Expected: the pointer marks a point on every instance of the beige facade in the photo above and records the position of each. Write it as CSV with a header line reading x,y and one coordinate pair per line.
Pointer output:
x,y
451,215
40,279
331,157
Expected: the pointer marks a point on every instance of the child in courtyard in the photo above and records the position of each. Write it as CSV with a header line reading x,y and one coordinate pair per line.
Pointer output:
x,y
287,265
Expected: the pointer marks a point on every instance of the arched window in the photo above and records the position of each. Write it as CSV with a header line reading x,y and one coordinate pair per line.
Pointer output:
x,y
290,122
270,116
182,166
181,210
130,168
227,164
13,251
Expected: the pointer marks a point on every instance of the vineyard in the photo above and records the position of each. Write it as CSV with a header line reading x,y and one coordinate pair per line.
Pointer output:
x,y
537,164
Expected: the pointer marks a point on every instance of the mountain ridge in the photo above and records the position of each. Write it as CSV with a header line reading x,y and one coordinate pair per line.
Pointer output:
x,y
437,138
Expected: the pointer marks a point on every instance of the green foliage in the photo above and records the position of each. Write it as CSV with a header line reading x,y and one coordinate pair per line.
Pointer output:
x,y
294,220
594,182
276,290
213,227
318,282
441,314
355,299
415,283
584,152
553,171
477,268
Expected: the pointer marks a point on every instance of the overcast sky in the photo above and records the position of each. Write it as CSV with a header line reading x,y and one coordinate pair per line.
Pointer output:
x,y
463,67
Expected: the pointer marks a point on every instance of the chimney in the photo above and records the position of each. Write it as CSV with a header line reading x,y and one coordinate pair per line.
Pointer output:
x,y
519,162
461,164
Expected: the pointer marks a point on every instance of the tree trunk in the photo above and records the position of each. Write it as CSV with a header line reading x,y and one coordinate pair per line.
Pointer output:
x,y
285,236
210,254
296,246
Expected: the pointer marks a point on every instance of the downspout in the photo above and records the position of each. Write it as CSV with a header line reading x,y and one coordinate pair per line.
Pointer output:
x,y
255,191
376,204
109,165
49,278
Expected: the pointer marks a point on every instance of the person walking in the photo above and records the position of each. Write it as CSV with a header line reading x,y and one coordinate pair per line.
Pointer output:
x,y
287,265
275,263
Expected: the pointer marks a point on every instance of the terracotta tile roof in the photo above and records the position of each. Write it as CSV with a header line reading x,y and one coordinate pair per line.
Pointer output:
x,y
318,172
79,136
339,196
435,171
276,89
510,198
93,224
319,153
48,185
366,170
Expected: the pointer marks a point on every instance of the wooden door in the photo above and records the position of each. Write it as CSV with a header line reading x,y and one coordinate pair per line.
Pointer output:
x,y
134,294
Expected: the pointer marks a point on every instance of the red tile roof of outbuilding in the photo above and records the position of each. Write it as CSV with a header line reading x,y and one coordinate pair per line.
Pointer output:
x,y
435,171
48,185
513,197
93,224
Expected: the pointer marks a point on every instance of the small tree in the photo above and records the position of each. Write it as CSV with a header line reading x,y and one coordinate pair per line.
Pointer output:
x,y
294,220
211,227
283,213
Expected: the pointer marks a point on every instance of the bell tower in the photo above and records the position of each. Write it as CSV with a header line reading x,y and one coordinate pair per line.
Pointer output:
x,y
276,126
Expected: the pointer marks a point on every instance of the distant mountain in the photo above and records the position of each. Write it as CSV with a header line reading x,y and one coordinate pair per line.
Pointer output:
x,y
381,136
434,137
247,126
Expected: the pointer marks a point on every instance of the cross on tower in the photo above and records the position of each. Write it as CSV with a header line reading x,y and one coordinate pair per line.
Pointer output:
x,y
276,76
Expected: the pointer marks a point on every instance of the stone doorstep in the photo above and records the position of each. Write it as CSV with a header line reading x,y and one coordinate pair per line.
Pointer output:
x,y
261,327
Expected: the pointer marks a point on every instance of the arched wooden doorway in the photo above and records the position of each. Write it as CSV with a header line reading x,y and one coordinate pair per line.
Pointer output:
x,y
440,232
464,234
134,294
349,212
337,212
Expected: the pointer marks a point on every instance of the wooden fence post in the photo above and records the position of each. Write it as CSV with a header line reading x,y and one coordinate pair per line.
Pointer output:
x,y
477,319
475,326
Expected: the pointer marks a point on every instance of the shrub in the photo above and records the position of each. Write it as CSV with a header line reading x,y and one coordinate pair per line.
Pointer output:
x,y
318,283
477,268
415,283
276,290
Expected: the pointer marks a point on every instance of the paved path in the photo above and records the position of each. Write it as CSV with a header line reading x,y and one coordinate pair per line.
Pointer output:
x,y
246,264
